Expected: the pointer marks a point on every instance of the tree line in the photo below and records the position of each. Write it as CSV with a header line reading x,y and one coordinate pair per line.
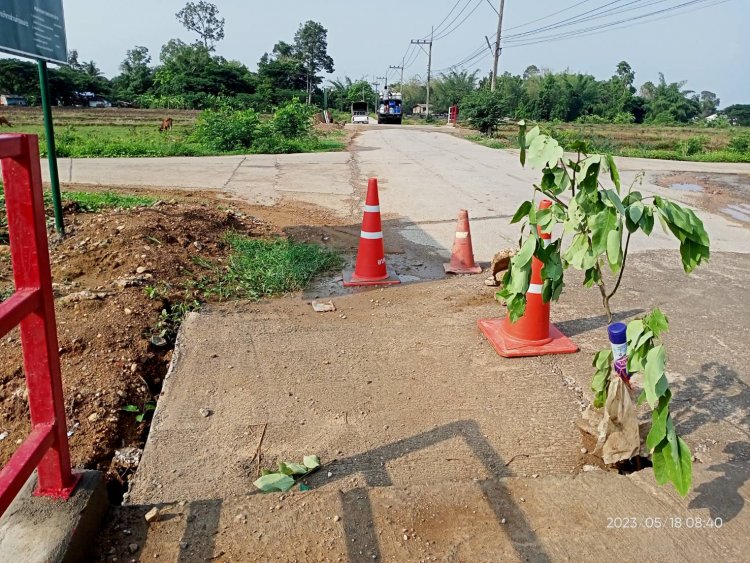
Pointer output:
x,y
194,76
188,75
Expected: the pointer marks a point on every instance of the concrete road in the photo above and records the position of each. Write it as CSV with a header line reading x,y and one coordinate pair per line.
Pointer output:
x,y
425,175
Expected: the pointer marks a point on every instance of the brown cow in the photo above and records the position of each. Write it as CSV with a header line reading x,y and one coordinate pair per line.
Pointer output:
x,y
166,124
4,121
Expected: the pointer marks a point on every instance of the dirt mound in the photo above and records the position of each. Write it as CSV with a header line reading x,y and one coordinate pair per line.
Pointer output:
x,y
119,277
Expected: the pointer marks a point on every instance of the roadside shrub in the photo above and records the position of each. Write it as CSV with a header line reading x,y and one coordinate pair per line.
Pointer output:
x,y
484,110
227,130
293,120
693,145
739,143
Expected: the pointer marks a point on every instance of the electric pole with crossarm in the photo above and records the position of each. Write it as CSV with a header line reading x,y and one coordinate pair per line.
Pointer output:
x,y
421,42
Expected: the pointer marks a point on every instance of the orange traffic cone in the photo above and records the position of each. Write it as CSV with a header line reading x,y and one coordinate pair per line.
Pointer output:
x,y
462,257
532,334
370,268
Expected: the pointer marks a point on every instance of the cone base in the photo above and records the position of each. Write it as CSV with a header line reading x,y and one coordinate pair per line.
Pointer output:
x,y
351,281
509,347
450,269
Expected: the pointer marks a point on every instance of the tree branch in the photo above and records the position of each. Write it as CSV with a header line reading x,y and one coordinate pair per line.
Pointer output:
x,y
622,267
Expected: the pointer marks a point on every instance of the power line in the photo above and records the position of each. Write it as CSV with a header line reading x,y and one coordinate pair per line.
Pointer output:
x,y
447,33
603,27
588,16
437,28
548,15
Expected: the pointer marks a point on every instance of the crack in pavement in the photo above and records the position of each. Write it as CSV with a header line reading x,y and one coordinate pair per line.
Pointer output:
x,y
234,172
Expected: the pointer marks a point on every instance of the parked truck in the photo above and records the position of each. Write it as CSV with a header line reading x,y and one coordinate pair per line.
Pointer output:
x,y
389,107
360,113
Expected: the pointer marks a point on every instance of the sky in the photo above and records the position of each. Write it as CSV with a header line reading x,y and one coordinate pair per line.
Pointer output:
x,y
709,48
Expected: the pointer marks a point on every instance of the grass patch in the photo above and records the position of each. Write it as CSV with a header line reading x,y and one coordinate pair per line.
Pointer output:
x,y
263,268
93,202
491,142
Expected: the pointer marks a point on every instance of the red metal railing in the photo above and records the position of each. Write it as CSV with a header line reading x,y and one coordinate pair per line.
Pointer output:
x,y
32,307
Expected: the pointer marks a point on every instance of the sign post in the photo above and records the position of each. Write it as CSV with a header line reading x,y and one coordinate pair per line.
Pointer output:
x,y
36,29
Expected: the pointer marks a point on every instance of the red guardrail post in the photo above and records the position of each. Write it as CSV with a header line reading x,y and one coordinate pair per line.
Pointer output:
x,y
47,446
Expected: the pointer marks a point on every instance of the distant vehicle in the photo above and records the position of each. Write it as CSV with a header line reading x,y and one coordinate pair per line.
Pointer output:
x,y
389,107
13,100
360,112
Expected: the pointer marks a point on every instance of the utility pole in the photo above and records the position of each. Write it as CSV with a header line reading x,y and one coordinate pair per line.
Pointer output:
x,y
383,78
497,44
429,63
401,84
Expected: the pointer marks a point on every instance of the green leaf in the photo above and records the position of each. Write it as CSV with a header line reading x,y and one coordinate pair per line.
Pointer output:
x,y
149,407
613,172
297,468
647,220
659,419
633,332
661,460
635,211
682,473
614,249
311,461
521,212
600,381
544,152
579,253
615,199
130,408
652,374
140,417
591,277
601,225
531,135
274,482
516,305
693,254
656,322
673,462
524,255
285,469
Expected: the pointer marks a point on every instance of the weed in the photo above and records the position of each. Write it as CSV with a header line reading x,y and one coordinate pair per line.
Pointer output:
x,y
93,202
171,318
147,408
262,268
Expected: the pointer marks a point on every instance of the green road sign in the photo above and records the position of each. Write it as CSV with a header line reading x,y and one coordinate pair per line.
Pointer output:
x,y
33,28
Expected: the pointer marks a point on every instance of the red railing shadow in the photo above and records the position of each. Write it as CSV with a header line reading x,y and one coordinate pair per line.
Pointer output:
x,y
32,308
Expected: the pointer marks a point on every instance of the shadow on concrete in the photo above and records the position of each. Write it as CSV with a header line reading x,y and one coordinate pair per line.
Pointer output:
x,y
361,536
715,393
722,495
200,532
573,327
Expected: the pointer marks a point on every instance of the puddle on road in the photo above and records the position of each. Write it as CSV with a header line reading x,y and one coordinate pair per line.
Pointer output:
x,y
686,187
740,212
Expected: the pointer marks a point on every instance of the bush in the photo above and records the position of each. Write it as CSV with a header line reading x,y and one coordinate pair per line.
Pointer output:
x,y
227,130
693,145
739,143
483,109
292,120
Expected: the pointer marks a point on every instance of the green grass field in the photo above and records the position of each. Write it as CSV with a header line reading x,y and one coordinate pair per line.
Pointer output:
x,y
698,144
89,133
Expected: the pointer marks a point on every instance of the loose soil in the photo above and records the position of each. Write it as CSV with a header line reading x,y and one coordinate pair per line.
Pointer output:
x,y
103,272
